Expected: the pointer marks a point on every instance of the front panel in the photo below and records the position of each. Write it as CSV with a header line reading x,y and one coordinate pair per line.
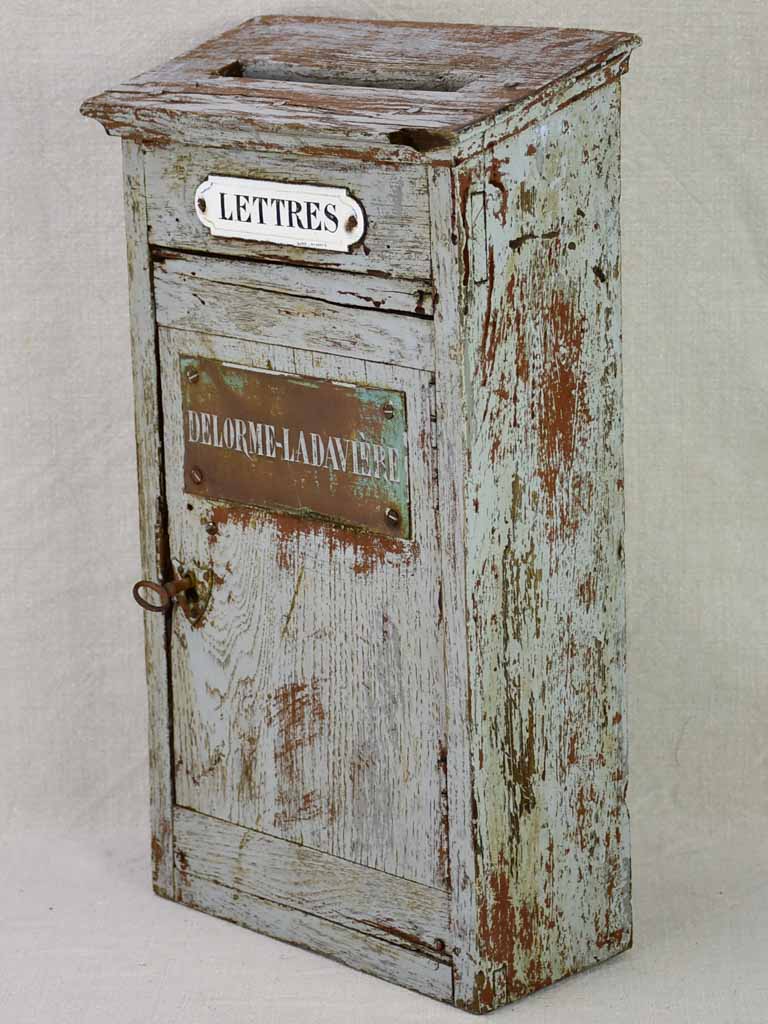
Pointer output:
x,y
308,697
392,200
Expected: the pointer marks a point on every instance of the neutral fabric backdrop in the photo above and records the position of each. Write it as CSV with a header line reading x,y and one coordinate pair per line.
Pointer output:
x,y
81,936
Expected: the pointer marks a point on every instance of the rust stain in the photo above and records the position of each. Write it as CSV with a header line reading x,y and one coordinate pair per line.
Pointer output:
x,y
497,923
293,706
369,551
588,591
495,448
496,179
289,616
561,393
297,712
585,802
511,932
517,243
443,851
465,185
395,933
158,857
521,597
309,806
527,198
183,864
572,756
492,330
484,993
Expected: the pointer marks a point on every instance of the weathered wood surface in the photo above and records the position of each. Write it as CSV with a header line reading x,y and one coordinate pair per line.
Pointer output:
x,y
149,458
347,697
396,241
544,551
310,702
188,298
538,108
379,904
384,294
355,949
451,471
403,85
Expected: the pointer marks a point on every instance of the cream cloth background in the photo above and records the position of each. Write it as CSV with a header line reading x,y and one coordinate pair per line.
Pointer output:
x,y
81,936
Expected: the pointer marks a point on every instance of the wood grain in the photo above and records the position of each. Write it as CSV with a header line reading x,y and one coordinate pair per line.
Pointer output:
x,y
371,901
452,455
151,512
396,241
384,294
404,86
222,304
310,703
544,554
355,949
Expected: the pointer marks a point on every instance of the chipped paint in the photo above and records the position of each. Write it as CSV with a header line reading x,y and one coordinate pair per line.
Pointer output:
x,y
545,572
297,703
348,700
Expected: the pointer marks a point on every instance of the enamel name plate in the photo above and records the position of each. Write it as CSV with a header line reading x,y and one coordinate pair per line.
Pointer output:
x,y
309,216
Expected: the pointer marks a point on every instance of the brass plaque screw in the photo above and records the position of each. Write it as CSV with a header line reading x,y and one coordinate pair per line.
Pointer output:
x,y
351,223
197,475
392,516
192,375
201,204
388,411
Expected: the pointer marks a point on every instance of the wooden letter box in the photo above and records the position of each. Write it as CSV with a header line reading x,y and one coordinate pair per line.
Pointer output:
x,y
376,325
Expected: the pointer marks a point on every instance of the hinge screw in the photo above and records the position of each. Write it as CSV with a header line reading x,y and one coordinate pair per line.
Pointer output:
x,y
392,516
197,475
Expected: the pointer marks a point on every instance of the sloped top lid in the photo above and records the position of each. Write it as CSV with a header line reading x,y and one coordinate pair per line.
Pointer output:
x,y
390,83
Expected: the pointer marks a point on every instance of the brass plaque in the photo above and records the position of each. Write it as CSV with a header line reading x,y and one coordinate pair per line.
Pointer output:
x,y
296,444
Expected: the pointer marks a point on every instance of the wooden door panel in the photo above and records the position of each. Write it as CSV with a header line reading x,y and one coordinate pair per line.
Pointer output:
x,y
309,702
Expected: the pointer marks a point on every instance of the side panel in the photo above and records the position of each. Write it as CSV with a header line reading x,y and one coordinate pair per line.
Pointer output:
x,y
545,577
151,512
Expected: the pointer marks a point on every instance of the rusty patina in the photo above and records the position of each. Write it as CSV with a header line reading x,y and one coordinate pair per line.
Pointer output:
x,y
291,443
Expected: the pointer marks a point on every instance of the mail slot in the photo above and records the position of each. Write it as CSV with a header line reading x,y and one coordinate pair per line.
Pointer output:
x,y
376,331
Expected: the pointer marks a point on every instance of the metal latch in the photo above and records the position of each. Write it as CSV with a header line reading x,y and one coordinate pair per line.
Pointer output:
x,y
165,591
